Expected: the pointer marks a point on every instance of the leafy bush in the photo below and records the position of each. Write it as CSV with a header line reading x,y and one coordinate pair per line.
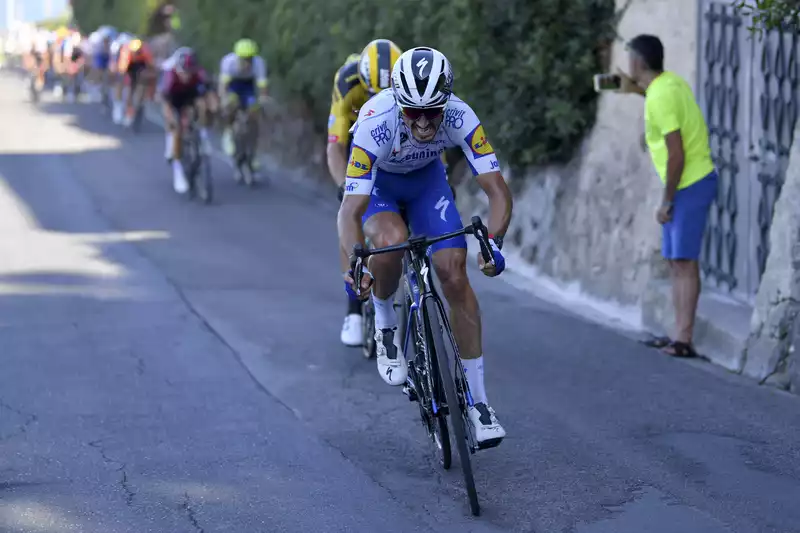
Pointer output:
x,y
770,14
525,66
134,16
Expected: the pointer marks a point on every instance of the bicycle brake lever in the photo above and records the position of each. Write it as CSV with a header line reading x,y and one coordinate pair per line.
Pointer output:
x,y
482,234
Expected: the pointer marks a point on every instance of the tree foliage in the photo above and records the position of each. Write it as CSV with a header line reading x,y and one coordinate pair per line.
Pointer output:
x,y
525,66
771,14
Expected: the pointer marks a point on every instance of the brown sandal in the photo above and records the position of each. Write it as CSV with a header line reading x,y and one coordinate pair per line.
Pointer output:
x,y
680,349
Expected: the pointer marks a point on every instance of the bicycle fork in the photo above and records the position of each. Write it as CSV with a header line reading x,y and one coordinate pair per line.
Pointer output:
x,y
410,388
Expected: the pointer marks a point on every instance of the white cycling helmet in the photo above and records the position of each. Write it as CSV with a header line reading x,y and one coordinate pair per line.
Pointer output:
x,y
422,78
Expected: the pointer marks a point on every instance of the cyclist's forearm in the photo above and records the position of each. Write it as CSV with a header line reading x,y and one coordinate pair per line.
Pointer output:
x,y
337,162
349,221
500,207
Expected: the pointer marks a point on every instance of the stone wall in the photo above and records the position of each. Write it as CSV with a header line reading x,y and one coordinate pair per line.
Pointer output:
x,y
770,354
593,221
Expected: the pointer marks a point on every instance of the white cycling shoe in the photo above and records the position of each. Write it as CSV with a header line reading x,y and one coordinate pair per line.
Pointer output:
x,y
488,431
392,364
351,330
179,182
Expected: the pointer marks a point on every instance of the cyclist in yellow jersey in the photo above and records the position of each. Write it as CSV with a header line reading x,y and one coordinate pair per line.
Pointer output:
x,y
361,77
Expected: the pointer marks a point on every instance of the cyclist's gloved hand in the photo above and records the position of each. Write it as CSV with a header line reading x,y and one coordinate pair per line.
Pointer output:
x,y
366,284
499,261
340,194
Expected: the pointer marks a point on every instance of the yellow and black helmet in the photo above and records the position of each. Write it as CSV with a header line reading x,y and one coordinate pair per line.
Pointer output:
x,y
375,64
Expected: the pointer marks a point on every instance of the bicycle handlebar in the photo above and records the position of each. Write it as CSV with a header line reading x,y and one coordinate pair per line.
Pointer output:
x,y
421,243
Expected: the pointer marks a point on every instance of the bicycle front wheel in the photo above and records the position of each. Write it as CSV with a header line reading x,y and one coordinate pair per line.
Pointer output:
x,y
435,334
205,187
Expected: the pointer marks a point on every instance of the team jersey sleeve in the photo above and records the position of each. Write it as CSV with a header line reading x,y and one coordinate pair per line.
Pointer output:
x,y
260,71
466,131
225,70
167,83
339,119
368,151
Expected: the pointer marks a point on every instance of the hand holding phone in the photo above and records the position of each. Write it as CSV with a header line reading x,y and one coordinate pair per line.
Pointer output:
x,y
607,82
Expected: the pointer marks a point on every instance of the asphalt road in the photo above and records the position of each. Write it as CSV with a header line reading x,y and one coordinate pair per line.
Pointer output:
x,y
170,367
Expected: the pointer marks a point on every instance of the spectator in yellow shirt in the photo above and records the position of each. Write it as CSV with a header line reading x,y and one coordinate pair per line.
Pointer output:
x,y
677,138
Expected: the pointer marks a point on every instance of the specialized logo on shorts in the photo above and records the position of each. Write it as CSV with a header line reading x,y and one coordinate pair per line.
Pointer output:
x,y
360,164
478,142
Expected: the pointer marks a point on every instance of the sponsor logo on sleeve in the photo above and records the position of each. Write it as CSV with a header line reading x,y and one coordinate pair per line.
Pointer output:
x,y
478,142
360,165
333,139
454,118
351,186
380,134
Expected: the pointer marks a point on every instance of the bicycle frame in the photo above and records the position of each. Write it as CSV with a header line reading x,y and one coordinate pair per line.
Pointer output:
x,y
421,288
420,281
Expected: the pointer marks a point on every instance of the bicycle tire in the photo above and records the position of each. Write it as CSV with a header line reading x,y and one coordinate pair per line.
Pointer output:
x,y
34,92
434,332
189,159
369,348
204,172
136,126
438,433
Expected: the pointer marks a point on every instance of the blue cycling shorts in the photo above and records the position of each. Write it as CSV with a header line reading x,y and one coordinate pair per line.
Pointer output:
x,y
427,199
101,61
245,90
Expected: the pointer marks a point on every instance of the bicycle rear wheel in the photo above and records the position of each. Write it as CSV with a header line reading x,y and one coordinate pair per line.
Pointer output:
x,y
436,338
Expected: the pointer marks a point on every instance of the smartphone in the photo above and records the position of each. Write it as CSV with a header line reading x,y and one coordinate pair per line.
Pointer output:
x,y
607,82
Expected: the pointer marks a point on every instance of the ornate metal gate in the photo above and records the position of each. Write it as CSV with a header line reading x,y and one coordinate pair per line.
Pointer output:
x,y
748,90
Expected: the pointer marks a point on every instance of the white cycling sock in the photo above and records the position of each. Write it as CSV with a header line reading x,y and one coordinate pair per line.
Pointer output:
x,y
385,315
168,146
176,166
473,368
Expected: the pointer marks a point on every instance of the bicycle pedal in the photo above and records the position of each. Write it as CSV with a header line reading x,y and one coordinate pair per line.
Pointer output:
x,y
411,393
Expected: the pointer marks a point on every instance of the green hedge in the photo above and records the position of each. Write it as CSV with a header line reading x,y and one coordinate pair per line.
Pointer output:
x,y
525,66
133,16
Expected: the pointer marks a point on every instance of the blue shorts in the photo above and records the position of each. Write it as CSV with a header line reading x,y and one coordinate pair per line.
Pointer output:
x,y
245,90
682,237
101,61
427,199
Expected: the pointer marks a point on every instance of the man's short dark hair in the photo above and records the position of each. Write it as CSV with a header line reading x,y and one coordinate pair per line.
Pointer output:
x,y
650,49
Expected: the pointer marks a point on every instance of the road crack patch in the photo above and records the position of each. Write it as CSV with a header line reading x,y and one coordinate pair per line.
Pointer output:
x,y
187,508
117,466
21,429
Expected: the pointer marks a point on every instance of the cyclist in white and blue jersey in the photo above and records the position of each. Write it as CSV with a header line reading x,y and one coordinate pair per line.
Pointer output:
x,y
394,162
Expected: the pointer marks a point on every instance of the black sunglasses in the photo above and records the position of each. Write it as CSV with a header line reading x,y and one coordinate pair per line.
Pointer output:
x,y
430,113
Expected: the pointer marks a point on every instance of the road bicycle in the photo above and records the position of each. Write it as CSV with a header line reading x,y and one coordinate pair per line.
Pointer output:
x,y
245,132
431,350
196,164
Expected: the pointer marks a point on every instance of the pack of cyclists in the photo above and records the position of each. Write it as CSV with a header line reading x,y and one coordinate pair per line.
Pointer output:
x,y
386,139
